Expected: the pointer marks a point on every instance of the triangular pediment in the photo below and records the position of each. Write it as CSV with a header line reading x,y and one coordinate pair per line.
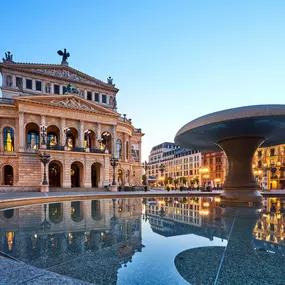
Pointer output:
x,y
66,101
63,72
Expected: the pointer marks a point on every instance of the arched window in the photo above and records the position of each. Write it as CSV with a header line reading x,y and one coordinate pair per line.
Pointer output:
x,y
8,139
51,139
33,139
127,150
119,148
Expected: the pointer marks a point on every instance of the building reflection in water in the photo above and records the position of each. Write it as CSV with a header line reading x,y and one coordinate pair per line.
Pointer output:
x,y
92,232
179,216
269,231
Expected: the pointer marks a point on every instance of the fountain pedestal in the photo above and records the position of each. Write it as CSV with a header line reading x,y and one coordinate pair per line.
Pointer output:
x,y
240,185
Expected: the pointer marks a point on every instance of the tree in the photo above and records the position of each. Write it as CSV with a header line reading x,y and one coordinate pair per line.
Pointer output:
x,y
184,180
170,180
175,182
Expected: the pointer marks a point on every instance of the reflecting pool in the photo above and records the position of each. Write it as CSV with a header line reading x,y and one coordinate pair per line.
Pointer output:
x,y
150,241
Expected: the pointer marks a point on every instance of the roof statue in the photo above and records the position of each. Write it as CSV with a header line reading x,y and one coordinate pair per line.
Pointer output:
x,y
8,57
110,81
113,102
64,55
70,89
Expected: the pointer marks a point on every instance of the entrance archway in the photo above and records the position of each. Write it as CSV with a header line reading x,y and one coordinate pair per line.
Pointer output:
x,y
54,172
8,175
95,174
76,173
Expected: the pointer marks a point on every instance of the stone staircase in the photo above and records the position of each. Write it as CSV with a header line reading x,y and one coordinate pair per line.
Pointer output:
x,y
79,189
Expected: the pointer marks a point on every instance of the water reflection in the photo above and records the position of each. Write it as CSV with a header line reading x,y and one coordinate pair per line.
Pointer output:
x,y
108,237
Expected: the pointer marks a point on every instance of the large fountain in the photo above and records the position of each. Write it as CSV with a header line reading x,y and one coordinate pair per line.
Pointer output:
x,y
238,132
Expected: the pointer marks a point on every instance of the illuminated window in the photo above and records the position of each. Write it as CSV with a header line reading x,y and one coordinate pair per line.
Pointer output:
x,y
8,139
33,139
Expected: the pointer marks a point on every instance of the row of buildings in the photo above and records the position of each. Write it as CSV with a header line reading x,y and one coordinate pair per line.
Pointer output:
x,y
172,165
71,116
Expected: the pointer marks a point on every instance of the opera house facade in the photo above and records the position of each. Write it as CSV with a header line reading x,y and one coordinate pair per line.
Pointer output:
x,y
71,116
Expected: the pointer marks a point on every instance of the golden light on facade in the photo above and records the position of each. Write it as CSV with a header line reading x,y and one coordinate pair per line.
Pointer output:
x,y
204,212
206,204
217,199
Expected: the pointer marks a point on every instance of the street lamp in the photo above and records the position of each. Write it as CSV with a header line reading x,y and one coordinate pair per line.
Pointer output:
x,y
43,129
45,225
66,130
114,163
45,157
87,133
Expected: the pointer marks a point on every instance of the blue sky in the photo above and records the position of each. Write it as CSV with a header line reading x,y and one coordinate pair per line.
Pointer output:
x,y
173,61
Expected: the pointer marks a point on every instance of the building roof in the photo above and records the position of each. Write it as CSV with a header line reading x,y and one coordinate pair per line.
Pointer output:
x,y
58,71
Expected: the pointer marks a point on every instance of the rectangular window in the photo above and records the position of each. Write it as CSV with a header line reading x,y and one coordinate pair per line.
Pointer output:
x,y
38,85
89,95
29,84
96,97
56,89
104,99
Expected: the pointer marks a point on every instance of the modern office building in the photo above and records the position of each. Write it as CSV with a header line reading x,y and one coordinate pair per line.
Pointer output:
x,y
71,116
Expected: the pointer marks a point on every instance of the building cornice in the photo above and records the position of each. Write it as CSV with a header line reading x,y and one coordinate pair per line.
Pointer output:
x,y
59,72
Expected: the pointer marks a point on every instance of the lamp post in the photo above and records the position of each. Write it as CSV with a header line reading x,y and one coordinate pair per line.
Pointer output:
x,y
114,163
45,225
162,168
44,157
87,133
66,130
43,129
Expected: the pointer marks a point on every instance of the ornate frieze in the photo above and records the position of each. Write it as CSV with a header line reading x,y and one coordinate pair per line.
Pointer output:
x,y
71,103
63,74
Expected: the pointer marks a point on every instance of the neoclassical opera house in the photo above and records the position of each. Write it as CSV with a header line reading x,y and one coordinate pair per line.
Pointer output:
x,y
71,116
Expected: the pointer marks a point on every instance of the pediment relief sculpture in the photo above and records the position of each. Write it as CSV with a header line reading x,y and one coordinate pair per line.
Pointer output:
x,y
71,103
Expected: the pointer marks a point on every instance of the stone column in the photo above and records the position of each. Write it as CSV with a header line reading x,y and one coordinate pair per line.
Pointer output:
x,y
87,175
43,87
140,151
24,82
98,134
93,96
81,134
66,183
13,80
85,94
240,184
21,132
124,158
34,84
60,89
62,134
52,88
114,143
43,122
